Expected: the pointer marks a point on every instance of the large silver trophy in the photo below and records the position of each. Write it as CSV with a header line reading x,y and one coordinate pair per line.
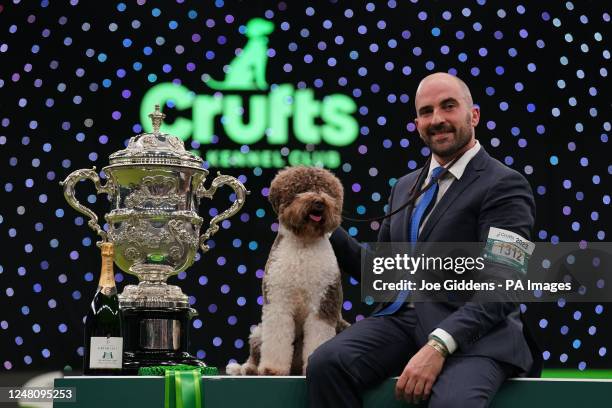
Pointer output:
x,y
155,187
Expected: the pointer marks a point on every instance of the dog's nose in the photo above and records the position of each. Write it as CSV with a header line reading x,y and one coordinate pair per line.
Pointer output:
x,y
318,205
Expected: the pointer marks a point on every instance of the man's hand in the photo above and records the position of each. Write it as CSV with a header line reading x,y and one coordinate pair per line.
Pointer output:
x,y
419,375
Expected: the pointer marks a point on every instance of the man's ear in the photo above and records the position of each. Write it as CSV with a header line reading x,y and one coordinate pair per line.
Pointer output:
x,y
416,122
475,116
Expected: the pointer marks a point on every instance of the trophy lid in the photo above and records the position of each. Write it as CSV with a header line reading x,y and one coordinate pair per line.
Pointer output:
x,y
156,148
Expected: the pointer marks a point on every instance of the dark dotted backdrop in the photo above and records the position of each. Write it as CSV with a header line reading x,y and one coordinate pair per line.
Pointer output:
x,y
73,73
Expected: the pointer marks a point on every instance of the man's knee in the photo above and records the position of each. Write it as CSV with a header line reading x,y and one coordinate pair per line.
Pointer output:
x,y
323,361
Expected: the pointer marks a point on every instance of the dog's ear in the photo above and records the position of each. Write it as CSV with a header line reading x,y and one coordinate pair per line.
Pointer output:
x,y
274,201
336,188
275,192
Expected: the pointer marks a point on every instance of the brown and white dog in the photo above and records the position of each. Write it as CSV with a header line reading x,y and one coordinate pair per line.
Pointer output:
x,y
302,290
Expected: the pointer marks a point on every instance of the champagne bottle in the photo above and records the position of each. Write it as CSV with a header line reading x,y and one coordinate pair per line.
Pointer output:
x,y
103,332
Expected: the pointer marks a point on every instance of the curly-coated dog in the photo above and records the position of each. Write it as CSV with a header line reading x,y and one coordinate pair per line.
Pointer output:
x,y
302,291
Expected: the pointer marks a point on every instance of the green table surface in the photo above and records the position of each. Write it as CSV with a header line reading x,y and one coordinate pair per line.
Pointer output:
x,y
289,392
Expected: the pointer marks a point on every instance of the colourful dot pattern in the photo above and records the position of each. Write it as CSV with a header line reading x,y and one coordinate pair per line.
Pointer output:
x,y
74,72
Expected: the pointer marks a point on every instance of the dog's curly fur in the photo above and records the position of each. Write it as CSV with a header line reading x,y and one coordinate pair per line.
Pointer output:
x,y
301,287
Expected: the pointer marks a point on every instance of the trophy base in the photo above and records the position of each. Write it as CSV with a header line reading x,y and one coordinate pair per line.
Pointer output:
x,y
133,361
156,336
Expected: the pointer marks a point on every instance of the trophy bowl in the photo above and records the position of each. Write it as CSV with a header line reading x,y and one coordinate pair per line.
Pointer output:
x,y
155,187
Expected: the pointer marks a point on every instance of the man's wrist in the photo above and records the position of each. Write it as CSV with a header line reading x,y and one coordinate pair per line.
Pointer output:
x,y
445,338
438,346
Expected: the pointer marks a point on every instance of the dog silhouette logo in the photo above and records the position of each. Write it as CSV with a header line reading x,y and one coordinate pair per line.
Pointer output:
x,y
248,70
271,114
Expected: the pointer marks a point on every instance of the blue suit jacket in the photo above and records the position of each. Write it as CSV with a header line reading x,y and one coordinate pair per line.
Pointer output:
x,y
489,194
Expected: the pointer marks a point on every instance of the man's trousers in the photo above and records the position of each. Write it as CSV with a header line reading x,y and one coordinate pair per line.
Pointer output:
x,y
377,348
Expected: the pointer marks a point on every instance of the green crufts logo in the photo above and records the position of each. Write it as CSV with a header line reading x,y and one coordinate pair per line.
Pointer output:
x,y
272,116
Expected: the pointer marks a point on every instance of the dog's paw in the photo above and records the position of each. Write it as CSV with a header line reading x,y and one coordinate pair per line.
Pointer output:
x,y
233,369
269,370
249,369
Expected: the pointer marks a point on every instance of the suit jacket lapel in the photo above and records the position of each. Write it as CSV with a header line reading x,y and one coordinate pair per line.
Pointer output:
x,y
469,176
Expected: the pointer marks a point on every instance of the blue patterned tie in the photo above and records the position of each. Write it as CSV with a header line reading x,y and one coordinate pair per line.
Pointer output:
x,y
415,221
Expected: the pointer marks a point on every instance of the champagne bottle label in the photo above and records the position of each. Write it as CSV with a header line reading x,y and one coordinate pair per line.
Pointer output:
x,y
106,352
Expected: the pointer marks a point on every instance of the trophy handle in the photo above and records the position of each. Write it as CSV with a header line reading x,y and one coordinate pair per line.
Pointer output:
x,y
69,194
241,192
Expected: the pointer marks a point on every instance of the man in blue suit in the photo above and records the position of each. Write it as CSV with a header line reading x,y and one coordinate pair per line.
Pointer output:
x,y
453,355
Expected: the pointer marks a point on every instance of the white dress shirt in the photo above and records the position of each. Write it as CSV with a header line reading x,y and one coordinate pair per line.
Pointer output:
x,y
454,173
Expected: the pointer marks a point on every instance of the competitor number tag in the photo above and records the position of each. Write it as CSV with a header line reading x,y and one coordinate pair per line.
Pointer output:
x,y
508,248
